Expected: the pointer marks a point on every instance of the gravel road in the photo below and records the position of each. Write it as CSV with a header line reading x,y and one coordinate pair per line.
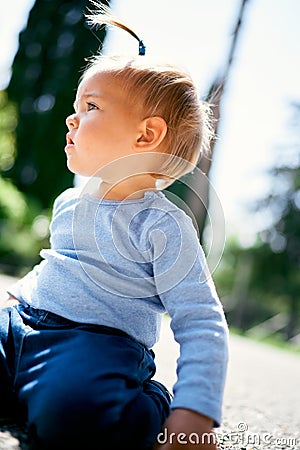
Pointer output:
x,y
262,395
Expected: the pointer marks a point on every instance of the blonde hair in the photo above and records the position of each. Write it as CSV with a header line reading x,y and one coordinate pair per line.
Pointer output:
x,y
165,91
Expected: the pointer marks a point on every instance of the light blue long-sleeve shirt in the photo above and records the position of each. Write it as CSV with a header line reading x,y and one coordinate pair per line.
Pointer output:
x,y
125,263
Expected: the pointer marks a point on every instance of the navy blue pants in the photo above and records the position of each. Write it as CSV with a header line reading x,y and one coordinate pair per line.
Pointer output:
x,y
78,386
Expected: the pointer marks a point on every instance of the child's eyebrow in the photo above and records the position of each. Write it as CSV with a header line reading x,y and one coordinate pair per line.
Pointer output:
x,y
85,96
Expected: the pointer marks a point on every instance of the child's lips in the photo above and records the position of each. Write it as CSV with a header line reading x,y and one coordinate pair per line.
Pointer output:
x,y
69,143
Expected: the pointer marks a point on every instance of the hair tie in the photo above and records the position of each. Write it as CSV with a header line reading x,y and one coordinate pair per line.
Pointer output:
x,y
142,48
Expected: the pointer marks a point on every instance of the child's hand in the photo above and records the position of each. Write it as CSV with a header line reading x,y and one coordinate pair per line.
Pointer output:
x,y
9,301
186,429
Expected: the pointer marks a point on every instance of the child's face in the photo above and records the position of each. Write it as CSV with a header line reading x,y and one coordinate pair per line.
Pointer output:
x,y
104,126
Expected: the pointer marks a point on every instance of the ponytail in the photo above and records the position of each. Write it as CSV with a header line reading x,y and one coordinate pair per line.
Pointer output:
x,y
103,16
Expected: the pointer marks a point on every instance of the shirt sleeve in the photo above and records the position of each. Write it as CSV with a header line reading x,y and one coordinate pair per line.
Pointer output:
x,y
188,294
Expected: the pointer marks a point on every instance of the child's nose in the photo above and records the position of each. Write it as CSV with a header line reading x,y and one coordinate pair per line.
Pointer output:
x,y
72,121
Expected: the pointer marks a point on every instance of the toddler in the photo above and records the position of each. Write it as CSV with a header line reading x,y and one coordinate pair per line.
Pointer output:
x,y
75,352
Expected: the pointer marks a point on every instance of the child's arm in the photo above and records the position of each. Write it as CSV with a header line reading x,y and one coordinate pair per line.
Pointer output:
x,y
186,429
197,319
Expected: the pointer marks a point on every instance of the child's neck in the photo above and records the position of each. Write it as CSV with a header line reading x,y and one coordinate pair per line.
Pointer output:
x,y
130,189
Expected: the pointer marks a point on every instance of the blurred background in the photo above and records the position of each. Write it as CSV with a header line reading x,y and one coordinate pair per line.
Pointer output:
x,y
244,57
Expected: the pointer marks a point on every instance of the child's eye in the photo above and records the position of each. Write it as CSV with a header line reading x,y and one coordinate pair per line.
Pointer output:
x,y
91,106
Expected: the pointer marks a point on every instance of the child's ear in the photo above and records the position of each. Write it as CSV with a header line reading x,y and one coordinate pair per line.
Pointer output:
x,y
152,132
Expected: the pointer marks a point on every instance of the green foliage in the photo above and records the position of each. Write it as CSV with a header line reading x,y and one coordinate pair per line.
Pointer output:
x,y
8,121
20,236
12,202
22,230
